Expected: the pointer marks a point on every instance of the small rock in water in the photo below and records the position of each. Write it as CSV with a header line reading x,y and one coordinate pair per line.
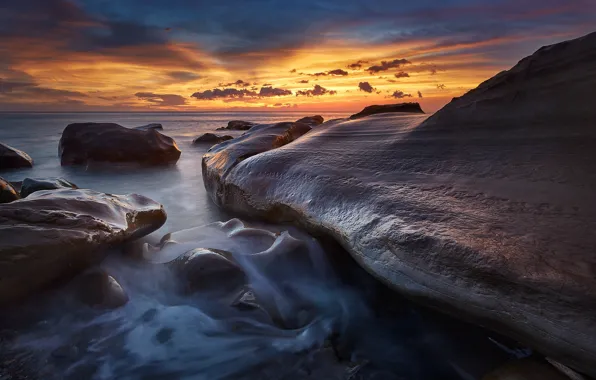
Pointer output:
x,y
150,126
100,290
12,158
7,192
238,125
164,335
31,185
311,120
211,138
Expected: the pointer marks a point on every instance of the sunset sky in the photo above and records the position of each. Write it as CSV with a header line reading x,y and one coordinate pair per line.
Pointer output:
x,y
183,55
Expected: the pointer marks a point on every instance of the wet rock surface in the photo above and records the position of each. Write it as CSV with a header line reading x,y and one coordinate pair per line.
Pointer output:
x,y
100,290
388,108
485,210
11,158
88,143
52,235
7,192
31,185
238,125
211,138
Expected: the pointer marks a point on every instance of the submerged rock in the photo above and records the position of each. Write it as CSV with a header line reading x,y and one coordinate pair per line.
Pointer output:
x,y
238,125
388,108
11,158
100,290
52,235
7,192
486,210
31,185
311,120
211,138
526,369
85,143
156,126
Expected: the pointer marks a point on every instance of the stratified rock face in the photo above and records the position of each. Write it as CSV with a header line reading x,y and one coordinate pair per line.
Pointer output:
x,y
31,185
7,192
311,120
211,138
85,143
156,126
238,125
387,108
486,210
11,158
52,235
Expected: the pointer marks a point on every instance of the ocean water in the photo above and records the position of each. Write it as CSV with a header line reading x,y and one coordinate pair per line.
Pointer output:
x,y
321,316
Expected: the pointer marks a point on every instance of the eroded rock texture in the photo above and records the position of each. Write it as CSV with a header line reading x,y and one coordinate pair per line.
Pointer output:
x,y
486,210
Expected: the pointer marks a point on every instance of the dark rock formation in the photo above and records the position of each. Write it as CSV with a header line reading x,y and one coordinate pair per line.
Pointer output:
x,y
311,120
11,158
100,290
387,108
7,192
238,125
486,210
85,143
211,138
51,236
156,126
528,368
31,185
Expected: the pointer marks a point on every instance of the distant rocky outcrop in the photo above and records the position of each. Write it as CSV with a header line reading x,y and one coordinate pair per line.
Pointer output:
x,y
155,126
31,185
211,138
486,210
87,143
387,108
238,125
7,192
52,235
311,120
11,158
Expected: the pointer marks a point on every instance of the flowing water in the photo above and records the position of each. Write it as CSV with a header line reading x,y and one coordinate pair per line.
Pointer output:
x,y
304,312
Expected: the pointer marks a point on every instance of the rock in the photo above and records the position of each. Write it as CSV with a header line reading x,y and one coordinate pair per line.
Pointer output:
x,y
85,143
486,210
238,125
387,108
7,192
211,138
31,185
51,236
100,290
311,120
11,158
525,369
156,126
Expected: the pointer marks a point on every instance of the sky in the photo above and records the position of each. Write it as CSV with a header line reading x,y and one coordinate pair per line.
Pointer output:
x,y
319,55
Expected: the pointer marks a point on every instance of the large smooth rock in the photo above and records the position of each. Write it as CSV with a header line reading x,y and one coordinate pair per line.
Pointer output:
x,y
211,138
238,125
31,185
486,210
7,192
388,108
156,126
85,143
311,120
11,158
52,235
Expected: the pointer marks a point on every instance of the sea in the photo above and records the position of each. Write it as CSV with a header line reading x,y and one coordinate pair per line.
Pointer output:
x,y
352,327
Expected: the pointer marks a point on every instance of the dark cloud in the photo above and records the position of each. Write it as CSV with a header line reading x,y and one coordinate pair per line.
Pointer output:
x,y
270,91
303,81
441,86
316,91
400,94
322,74
356,65
226,93
162,99
183,76
386,65
292,71
337,72
419,94
31,90
238,83
366,87
402,74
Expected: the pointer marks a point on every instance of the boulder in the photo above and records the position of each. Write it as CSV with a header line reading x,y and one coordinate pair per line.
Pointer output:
x,y
87,143
485,210
311,120
100,290
156,126
388,108
7,192
237,125
11,158
51,236
31,185
211,138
